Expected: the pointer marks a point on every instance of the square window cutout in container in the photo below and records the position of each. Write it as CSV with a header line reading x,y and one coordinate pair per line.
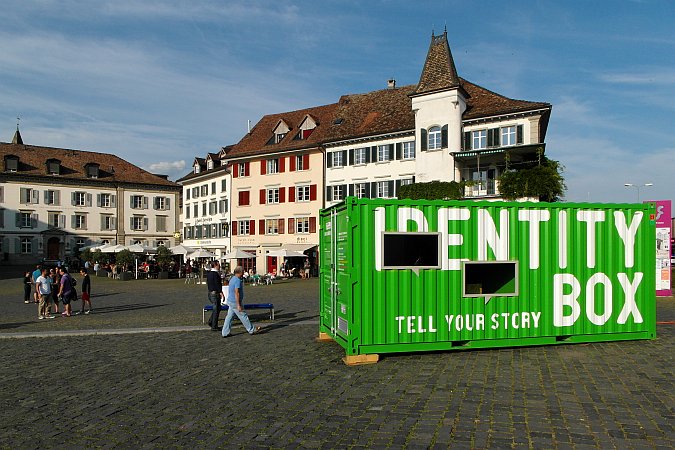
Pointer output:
x,y
411,250
490,278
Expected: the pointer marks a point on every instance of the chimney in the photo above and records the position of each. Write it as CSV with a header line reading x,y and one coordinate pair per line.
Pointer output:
x,y
391,84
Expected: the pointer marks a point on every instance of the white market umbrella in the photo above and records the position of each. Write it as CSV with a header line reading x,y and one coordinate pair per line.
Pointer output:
x,y
283,253
138,248
181,249
93,247
238,254
113,248
201,253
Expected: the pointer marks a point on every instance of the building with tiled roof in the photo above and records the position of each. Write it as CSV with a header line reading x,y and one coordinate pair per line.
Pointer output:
x,y
54,201
206,204
443,128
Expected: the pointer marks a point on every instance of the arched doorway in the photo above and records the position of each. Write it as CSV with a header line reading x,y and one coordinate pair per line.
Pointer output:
x,y
53,248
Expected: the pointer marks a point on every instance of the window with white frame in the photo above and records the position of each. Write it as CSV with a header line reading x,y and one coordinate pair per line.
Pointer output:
x,y
79,198
107,222
80,221
223,206
53,219
195,210
203,209
299,164
213,207
213,188
272,166
406,181
195,192
242,169
360,155
409,150
187,194
382,153
137,223
51,197
79,243
25,220
26,245
204,190
508,136
106,200
244,227
161,203
302,225
209,164
271,226
338,193
338,161
29,196
137,202
279,137
302,194
273,195
360,190
187,211
434,138
383,189
479,139
223,185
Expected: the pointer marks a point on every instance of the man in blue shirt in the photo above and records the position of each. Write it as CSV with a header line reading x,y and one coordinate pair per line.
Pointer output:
x,y
235,303
36,274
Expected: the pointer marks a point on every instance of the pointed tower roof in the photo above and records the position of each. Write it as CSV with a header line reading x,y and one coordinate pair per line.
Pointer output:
x,y
17,137
439,71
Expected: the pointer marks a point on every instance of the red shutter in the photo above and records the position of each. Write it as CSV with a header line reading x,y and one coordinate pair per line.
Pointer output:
x,y
263,194
235,170
261,226
263,167
281,226
242,198
251,224
235,228
312,192
292,158
282,195
282,164
312,224
305,162
291,194
247,169
247,198
291,226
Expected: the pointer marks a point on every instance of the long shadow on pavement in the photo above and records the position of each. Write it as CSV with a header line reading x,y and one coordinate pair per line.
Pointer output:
x,y
120,308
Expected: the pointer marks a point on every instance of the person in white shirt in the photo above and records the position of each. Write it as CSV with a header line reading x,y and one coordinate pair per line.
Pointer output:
x,y
43,287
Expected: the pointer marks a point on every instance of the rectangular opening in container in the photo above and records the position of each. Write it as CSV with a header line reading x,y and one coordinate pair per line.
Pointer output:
x,y
490,278
411,250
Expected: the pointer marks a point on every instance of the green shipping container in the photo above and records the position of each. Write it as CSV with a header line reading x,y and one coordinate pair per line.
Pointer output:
x,y
411,275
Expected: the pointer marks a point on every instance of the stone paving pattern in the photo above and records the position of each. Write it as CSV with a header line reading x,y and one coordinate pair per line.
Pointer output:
x,y
281,389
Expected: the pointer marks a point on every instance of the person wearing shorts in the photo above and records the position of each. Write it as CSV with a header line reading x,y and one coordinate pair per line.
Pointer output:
x,y
66,291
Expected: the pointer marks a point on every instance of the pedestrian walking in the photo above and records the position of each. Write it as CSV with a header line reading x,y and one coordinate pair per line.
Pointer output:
x,y
44,288
66,291
214,284
27,286
86,291
235,304
36,273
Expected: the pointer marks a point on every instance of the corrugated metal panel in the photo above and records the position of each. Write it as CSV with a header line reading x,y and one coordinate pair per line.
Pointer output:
x,y
584,273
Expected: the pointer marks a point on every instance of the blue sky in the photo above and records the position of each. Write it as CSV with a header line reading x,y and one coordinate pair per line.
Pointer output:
x,y
158,82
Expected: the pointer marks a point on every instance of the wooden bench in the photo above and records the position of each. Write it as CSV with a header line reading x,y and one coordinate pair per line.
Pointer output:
x,y
270,306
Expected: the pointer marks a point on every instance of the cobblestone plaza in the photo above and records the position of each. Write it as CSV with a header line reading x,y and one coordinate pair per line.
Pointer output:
x,y
143,372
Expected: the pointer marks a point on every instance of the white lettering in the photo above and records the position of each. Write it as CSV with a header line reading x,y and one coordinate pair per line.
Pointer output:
x,y
627,234
562,239
410,324
630,307
415,215
561,300
591,218
400,320
598,319
495,321
444,216
536,315
514,320
488,236
534,217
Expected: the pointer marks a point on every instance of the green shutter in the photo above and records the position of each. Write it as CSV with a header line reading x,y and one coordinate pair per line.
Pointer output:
x,y
423,138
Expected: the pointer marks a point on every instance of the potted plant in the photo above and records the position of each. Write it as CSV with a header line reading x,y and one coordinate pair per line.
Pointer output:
x,y
163,257
123,259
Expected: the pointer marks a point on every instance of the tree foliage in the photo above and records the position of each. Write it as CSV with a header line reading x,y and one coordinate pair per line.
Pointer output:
x,y
164,256
124,258
540,180
434,190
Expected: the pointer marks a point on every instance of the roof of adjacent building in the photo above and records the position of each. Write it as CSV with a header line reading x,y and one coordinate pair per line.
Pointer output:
x,y
33,162
260,139
219,166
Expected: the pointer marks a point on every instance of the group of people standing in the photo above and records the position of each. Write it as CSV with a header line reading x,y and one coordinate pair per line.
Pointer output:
x,y
53,286
227,292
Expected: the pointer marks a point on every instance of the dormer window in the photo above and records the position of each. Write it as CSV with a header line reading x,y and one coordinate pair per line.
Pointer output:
x,y
53,166
92,170
209,164
279,133
306,128
196,168
11,163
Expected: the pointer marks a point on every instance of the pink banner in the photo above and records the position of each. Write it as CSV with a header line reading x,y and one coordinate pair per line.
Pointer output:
x,y
664,234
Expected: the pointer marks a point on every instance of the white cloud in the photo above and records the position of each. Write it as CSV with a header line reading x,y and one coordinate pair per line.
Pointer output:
x,y
166,166
661,76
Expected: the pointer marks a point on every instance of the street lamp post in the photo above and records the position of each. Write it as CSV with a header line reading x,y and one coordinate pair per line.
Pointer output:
x,y
638,186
